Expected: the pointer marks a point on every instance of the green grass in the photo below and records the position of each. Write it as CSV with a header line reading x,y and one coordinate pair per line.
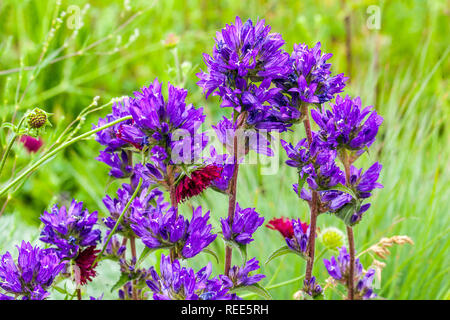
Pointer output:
x,y
400,69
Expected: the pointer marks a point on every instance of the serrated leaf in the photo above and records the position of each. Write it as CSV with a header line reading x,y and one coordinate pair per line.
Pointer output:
x,y
256,289
211,252
282,251
122,280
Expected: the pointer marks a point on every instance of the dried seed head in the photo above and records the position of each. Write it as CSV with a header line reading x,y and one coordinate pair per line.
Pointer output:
x,y
402,240
381,248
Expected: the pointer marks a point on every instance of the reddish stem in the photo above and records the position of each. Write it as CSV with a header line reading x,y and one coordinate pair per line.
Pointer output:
x,y
351,239
232,202
314,203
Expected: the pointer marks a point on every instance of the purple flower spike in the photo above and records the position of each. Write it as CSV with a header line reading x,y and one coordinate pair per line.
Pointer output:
x,y
248,139
245,223
108,137
312,288
346,126
139,207
70,229
32,274
365,183
180,283
159,228
310,79
120,167
240,276
243,51
339,269
299,242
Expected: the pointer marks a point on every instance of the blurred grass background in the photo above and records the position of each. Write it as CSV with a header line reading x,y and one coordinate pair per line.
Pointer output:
x,y
402,69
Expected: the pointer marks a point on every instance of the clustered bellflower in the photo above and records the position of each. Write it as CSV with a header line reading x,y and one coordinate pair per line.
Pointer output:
x,y
167,130
347,125
73,234
245,223
139,206
310,80
240,276
70,229
181,283
339,269
245,60
32,275
295,232
159,228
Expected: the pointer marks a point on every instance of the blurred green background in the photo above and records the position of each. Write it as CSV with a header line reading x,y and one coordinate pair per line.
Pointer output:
x,y
401,68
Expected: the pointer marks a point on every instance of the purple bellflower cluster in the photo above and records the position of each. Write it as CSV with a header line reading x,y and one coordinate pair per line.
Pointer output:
x,y
70,230
72,235
140,205
244,224
30,277
339,270
312,288
181,283
240,276
154,140
159,228
310,80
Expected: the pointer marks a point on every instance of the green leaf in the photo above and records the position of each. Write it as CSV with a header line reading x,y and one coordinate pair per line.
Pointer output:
x,y
256,289
282,251
211,252
8,125
301,183
345,189
346,212
242,248
144,255
122,280
60,290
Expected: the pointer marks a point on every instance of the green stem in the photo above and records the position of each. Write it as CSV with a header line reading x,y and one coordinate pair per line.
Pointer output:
x,y
55,151
8,149
119,220
277,285
11,143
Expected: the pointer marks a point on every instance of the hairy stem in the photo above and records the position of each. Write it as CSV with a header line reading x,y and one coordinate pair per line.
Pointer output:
x,y
34,166
314,203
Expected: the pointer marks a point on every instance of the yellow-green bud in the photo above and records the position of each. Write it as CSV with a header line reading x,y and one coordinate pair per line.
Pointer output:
x,y
332,238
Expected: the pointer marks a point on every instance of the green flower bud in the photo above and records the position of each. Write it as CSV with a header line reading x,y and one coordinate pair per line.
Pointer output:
x,y
37,118
332,238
